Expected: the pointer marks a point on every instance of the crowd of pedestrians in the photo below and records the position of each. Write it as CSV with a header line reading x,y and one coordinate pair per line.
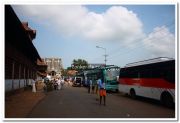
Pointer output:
x,y
53,84
58,83
95,87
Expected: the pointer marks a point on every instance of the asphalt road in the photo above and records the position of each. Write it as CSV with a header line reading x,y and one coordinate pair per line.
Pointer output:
x,y
76,102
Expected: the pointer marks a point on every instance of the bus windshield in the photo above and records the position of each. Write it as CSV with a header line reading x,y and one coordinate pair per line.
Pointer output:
x,y
111,74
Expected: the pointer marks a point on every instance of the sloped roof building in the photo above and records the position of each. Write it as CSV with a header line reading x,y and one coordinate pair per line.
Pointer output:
x,y
20,54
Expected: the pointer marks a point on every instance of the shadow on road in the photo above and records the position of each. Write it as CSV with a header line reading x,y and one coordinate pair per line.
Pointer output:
x,y
142,99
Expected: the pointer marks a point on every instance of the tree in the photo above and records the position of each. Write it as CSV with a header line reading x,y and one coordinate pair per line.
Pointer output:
x,y
64,72
79,64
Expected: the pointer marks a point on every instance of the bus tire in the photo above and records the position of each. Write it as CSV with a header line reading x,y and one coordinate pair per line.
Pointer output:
x,y
167,99
133,94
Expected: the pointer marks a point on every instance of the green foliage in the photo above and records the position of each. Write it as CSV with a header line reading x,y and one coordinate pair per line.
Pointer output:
x,y
79,64
64,71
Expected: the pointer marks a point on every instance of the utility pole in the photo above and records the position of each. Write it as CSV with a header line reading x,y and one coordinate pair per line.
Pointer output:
x,y
105,55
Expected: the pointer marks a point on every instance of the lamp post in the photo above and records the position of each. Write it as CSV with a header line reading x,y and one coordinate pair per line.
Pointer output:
x,y
105,55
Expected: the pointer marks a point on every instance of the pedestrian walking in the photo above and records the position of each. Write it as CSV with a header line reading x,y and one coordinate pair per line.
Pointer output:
x,y
62,83
90,85
55,84
33,86
59,84
102,91
98,88
95,86
69,82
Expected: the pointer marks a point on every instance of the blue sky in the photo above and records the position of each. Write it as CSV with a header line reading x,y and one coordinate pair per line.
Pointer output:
x,y
129,32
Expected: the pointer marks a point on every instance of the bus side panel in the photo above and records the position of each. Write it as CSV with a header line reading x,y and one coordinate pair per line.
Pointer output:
x,y
153,93
147,82
149,92
124,88
142,89
111,87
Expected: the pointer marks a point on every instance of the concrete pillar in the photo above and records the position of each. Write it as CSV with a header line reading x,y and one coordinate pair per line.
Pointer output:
x,y
19,75
24,76
13,75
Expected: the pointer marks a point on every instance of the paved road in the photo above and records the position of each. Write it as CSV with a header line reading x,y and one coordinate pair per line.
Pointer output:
x,y
75,102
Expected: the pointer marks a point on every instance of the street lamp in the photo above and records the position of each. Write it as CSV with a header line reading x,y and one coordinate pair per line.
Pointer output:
x,y
105,55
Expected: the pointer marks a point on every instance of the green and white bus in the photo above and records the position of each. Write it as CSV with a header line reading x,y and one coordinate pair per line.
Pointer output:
x,y
109,74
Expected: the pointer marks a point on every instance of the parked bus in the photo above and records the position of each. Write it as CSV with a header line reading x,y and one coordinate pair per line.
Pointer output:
x,y
108,74
154,78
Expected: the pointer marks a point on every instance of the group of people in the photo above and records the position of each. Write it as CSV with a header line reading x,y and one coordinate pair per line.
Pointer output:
x,y
53,84
58,83
99,88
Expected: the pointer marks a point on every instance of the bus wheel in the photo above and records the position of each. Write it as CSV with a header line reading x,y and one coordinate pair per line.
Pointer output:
x,y
133,94
167,100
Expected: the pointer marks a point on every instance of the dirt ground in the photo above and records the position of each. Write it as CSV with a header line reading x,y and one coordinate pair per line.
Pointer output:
x,y
20,104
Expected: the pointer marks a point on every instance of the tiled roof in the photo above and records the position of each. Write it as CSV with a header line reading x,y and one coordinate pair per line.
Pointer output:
x,y
16,35
31,32
41,62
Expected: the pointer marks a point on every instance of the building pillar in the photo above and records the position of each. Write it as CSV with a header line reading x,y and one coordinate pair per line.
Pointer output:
x,y
19,75
31,74
24,76
13,75
28,76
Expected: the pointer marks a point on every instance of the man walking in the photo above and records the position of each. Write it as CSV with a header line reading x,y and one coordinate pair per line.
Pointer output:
x,y
90,85
102,91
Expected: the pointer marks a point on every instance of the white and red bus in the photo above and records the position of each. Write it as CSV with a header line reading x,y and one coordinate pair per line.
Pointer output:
x,y
153,78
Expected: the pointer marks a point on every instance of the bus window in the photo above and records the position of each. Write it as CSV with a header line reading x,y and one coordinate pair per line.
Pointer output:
x,y
111,74
169,75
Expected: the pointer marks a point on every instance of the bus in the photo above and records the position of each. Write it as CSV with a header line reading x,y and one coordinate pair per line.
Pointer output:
x,y
153,78
108,74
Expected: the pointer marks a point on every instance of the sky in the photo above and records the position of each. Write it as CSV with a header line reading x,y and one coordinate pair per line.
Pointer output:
x,y
129,33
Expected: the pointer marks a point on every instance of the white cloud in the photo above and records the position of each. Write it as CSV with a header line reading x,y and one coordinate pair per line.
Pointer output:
x,y
116,24
160,42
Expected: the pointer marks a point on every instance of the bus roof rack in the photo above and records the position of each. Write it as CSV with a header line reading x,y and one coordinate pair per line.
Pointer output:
x,y
149,61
